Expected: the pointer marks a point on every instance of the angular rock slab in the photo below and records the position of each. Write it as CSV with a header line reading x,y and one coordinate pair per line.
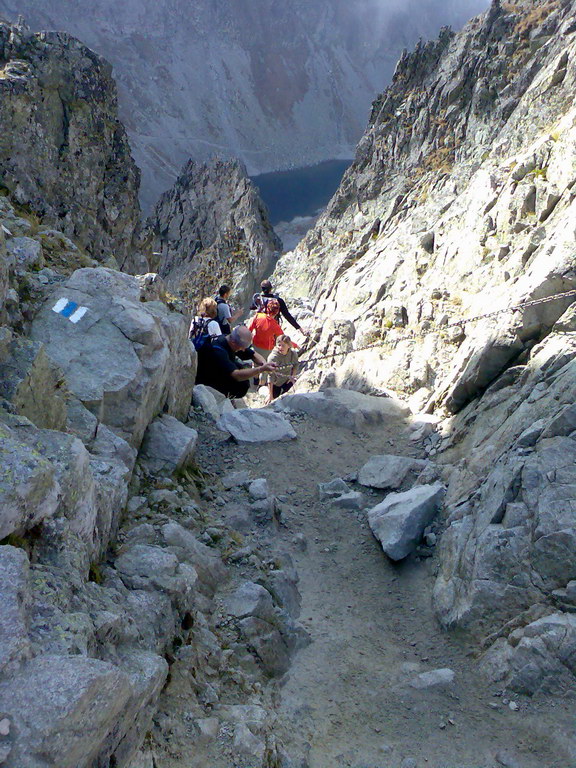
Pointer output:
x,y
399,521
388,471
343,407
168,445
256,426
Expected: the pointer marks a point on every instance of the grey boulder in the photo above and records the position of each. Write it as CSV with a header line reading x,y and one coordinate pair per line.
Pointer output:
x,y
29,490
436,677
168,445
212,402
251,599
399,521
332,489
256,426
388,471
64,710
343,407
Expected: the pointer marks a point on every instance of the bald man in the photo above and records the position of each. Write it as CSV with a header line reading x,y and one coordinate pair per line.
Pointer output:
x,y
219,368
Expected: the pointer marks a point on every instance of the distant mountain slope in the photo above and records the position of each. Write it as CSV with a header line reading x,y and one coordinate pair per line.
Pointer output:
x,y
276,84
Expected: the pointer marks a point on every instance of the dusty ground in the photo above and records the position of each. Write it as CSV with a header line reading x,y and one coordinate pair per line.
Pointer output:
x,y
346,700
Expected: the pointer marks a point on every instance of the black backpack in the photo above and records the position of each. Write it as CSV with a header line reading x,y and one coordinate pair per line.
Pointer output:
x,y
224,324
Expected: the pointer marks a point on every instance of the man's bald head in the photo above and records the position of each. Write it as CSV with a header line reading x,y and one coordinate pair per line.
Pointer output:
x,y
240,338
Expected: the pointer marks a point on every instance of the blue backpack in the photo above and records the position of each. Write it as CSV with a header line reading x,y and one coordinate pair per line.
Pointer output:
x,y
199,335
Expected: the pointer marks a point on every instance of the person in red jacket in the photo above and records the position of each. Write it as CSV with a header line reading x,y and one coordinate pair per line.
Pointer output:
x,y
265,328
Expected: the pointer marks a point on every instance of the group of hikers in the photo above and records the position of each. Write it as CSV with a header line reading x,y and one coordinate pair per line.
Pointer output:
x,y
229,358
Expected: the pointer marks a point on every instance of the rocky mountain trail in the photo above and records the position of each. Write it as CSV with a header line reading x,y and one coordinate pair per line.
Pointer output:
x,y
377,667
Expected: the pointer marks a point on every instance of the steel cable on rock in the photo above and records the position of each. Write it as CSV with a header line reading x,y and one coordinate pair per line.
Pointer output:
x,y
410,335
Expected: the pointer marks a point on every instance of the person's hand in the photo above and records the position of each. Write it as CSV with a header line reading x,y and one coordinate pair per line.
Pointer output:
x,y
304,332
268,400
268,367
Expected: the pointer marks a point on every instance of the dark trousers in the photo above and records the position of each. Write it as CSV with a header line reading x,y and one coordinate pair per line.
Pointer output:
x,y
277,391
237,389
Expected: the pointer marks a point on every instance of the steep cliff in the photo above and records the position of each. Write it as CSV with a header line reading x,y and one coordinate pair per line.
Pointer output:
x,y
277,85
212,228
64,155
460,202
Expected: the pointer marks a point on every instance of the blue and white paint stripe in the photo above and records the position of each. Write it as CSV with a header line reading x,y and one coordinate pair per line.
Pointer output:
x,y
70,310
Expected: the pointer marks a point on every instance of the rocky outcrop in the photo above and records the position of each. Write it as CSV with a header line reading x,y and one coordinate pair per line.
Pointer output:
x,y
459,203
65,156
212,228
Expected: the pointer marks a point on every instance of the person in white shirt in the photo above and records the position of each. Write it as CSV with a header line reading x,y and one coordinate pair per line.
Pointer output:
x,y
204,322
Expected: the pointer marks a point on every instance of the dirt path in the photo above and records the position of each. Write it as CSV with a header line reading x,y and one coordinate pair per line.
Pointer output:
x,y
346,700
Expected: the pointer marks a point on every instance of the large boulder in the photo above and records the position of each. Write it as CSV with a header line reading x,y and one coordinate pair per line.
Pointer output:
x,y
63,711
212,402
511,532
343,407
168,445
399,521
256,426
125,360
75,711
388,471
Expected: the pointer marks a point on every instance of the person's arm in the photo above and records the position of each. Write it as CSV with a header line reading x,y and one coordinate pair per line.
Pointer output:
x,y
285,313
270,392
258,358
241,374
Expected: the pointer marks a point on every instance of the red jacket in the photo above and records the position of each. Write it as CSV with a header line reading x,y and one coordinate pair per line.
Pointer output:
x,y
265,330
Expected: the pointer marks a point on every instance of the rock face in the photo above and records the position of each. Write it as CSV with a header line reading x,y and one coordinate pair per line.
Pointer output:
x,y
212,228
65,156
460,203
291,98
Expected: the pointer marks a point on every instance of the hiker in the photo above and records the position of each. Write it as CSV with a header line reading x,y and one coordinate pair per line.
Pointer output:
x,y
284,377
265,328
259,301
219,368
225,315
204,325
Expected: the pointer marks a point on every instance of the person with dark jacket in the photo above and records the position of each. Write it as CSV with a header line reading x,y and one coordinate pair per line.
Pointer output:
x,y
259,301
225,315
219,368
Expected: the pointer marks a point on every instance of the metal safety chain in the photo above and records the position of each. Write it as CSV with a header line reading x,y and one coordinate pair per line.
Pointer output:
x,y
437,329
